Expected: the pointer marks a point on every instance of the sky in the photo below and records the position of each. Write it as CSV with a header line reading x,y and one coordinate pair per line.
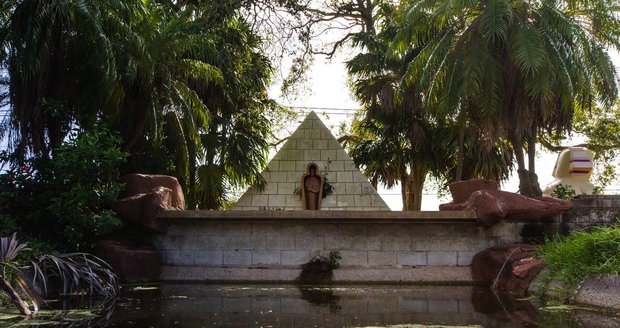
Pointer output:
x,y
328,95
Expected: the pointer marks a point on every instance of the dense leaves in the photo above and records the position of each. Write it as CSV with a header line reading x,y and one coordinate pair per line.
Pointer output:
x,y
183,82
517,69
403,138
65,201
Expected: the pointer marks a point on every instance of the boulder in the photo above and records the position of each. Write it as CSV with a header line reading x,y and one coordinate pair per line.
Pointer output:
x,y
145,196
136,184
509,268
494,205
130,262
601,291
462,190
143,209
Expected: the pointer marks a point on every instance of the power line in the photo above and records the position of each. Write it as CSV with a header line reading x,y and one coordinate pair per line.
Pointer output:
x,y
324,108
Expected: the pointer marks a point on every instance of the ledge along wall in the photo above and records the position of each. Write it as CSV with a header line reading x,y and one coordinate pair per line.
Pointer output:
x,y
380,246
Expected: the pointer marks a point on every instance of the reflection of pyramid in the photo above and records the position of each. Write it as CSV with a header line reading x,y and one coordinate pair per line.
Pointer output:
x,y
312,142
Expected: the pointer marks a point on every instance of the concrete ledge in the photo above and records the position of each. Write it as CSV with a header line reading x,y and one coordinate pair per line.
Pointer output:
x,y
321,216
600,292
413,275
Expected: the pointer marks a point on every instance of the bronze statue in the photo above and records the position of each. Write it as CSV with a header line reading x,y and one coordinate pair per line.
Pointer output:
x,y
312,188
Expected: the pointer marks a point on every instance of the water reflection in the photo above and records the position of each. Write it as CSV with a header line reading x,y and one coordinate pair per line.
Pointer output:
x,y
312,306
200,305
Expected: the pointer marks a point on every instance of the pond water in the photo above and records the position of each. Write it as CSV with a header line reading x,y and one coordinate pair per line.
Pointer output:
x,y
208,305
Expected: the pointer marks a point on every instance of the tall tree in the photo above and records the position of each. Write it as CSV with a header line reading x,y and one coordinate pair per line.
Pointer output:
x,y
403,137
183,81
59,56
524,66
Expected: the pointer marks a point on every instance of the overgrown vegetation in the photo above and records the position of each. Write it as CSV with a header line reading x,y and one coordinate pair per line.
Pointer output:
x,y
65,201
74,273
583,253
564,192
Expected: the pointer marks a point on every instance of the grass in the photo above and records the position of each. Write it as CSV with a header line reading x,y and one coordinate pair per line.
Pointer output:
x,y
583,253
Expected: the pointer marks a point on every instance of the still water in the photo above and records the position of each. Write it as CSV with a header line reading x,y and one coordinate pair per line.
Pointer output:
x,y
200,305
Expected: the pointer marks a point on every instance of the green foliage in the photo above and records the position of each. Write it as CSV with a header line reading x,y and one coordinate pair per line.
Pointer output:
x,y
514,70
185,85
66,201
601,125
564,192
77,273
583,253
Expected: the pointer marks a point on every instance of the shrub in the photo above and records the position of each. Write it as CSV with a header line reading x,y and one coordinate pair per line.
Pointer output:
x,y
583,253
66,200
563,192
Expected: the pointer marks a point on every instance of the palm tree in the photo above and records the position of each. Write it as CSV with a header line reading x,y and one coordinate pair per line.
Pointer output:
x,y
208,107
405,137
522,67
59,56
183,82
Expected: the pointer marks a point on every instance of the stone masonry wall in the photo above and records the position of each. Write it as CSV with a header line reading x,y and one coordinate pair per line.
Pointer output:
x,y
312,142
290,244
589,211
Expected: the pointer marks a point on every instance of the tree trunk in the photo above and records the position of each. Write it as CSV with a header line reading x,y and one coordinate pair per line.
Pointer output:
x,y
460,155
26,285
21,305
528,181
415,187
403,185
532,189
403,189
531,152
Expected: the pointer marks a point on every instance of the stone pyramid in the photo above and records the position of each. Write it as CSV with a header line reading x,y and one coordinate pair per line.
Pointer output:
x,y
312,142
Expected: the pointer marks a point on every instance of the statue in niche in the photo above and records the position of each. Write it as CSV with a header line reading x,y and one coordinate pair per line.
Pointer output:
x,y
312,188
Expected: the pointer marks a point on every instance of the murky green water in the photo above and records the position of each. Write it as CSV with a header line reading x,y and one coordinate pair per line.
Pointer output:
x,y
200,305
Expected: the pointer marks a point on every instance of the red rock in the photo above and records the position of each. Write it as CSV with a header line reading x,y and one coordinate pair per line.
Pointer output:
x,y
143,209
508,267
130,262
461,190
494,205
145,196
526,267
136,184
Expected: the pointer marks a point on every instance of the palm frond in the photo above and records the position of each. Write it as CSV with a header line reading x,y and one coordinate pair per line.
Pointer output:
x,y
10,248
527,51
78,272
497,16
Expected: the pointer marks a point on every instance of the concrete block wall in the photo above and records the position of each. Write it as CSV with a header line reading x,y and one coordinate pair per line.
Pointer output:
x,y
290,244
589,211
312,142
